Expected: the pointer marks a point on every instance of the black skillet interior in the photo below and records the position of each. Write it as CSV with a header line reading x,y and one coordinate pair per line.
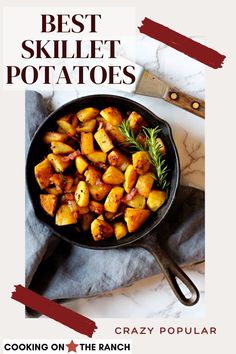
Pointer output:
x,y
37,152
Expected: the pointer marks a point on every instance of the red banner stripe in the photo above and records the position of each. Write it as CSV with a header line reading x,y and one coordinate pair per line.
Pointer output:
x,y
182,43
57,312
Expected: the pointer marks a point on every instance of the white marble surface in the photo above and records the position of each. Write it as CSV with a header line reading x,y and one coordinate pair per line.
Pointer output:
x,y
152,298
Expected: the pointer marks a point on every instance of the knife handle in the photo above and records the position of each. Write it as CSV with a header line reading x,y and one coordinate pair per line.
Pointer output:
x,y
187,102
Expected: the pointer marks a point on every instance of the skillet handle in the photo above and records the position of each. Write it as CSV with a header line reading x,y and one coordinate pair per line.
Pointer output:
x,y
173,272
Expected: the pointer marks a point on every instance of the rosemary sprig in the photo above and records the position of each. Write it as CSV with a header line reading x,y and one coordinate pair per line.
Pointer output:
x,y
151,146
128,133
156,156
63,177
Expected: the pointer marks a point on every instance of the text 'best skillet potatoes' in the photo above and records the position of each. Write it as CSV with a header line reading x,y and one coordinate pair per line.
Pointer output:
x,y
92,177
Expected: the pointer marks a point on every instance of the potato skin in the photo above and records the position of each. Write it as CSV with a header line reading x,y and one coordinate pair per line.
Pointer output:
x,y
156,199
82,194
144,184
65,216
135,218
131,176
141,162
43,172
113,175
113,199
101,229
49,203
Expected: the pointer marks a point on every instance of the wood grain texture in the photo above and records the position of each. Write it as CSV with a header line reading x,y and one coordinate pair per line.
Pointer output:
x,y
187,102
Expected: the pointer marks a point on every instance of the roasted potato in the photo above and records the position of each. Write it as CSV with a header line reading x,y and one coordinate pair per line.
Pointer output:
x,y
93,176
112,115
120,230
87,127
81,164
65,216
99,192
43,172
113,176
87,143
113,199
97,156
86,114
61,148
58,162
131,176
49,137
156,199
117,159
96,207
103,140
49,203
141,162
135,218
82,194
161,146
136,122
137,202
101,229
66,127
86,221
114,133
144,184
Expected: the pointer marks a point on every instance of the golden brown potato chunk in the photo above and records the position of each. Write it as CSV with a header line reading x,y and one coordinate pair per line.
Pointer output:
x,y
96,207
65,216
88,113
114,133
86,221
135,218
87,127
82,194
99,192
103,140
137,202
97,156
87,143
113,175
117,159
120,230
49,203
113,199
161,146
112,115
144,184
81,164
101,229
136,122
156,199
54,136
58,163
141,162
67,127
61,148
92,175
43,172
130,178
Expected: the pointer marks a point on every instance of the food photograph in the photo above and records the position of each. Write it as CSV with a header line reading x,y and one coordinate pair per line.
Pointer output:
x,y
115,194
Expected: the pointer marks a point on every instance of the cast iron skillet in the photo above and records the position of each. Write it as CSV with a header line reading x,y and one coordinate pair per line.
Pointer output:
x,y
69,233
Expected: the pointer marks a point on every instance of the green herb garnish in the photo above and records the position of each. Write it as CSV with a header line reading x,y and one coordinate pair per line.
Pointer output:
x,y
151,146
63,177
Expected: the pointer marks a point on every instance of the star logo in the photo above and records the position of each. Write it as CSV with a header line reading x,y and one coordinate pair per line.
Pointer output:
x,y
72,347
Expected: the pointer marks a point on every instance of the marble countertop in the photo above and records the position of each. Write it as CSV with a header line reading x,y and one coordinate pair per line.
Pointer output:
x,y
152,297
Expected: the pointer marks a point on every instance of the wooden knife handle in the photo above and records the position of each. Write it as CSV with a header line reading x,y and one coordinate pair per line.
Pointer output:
x,y
187,102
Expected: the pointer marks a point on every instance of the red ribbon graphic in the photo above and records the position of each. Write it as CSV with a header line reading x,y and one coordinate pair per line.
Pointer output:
x,y
181,43
55,311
